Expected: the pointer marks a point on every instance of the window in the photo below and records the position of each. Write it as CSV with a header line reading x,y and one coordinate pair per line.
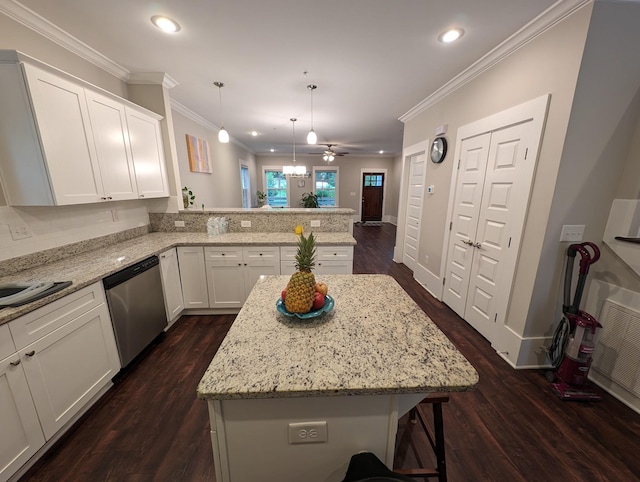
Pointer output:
x,y
246,186
373,180
325,185
276,185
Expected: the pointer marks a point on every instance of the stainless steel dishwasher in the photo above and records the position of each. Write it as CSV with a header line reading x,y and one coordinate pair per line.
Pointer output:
x,y
136,303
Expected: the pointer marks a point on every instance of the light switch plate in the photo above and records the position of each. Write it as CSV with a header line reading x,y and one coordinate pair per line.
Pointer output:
x,y
20,231
572,233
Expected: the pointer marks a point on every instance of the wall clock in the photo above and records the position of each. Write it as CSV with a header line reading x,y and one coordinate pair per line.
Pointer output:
x,y
438,149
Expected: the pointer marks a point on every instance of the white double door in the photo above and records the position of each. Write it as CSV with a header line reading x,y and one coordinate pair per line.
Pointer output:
x,y
491,199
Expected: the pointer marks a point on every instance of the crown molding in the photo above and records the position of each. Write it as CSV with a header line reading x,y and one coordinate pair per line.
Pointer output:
x,y
198,119
543,22
40,25
156,78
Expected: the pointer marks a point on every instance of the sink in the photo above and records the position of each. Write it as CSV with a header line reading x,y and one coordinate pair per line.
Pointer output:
x,y
16,294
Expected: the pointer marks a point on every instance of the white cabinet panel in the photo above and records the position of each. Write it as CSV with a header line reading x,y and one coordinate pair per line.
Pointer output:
x,y
6,342
21,434
62,119
148,154
171,285
69,366
193,277
226,285
109,125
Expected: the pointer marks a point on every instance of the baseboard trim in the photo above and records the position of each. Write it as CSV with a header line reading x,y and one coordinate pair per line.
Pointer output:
x,y
431,282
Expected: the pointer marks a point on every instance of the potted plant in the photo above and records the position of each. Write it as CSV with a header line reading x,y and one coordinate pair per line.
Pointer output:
x,y
188,197
309,200
262,198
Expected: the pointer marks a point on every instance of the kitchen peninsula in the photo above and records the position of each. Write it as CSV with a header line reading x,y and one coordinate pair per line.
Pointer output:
x,y
353,372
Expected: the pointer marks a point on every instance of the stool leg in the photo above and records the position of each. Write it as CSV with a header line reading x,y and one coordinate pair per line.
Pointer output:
x,y
438,426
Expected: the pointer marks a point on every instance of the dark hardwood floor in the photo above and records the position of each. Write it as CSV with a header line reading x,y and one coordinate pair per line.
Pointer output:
x,y
151,427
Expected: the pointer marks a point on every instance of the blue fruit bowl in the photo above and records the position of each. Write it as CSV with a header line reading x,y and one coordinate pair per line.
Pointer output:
x,y
328,306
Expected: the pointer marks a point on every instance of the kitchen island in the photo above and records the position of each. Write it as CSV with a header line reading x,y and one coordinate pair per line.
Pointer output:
x,y
346,377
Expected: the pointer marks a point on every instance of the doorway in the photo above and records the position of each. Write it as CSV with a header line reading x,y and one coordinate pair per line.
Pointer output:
x,y
372,196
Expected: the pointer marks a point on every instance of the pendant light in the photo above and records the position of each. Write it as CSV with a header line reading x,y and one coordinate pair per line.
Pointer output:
x,y
294,170
312,138
223,135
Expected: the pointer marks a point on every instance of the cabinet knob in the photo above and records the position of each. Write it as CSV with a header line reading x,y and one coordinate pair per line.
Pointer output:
x,y
141,195
109,198
15,363
222,254
31,353
239,264
103,198
335,254
260,254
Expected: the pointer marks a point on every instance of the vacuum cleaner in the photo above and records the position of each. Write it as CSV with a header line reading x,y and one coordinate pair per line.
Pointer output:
x,y
571,350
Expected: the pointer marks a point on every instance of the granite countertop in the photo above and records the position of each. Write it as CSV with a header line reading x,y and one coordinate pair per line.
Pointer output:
x,y
376,341
87,268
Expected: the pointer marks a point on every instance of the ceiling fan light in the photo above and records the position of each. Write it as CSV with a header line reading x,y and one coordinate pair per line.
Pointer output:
x,y
223,135
312,137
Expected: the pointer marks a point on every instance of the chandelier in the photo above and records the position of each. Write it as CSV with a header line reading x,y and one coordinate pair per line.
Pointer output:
x,y
294,170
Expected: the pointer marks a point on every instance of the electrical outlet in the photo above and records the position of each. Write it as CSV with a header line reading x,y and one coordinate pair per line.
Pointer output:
x,y
307,432
114,215
572,233
20,231
245,224
179,224
430,189
315,223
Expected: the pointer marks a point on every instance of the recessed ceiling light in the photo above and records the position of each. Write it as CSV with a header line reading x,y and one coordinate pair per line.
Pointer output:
x,y
254,133
272,150
381,152
450,35
165,23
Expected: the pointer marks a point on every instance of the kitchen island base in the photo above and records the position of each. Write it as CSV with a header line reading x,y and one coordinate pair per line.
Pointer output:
x,y
250,437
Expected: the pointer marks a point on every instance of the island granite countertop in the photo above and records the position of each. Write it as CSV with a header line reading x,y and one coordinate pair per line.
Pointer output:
x,y
375,341
89,267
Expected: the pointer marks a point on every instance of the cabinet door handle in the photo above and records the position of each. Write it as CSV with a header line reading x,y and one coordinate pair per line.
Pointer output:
x,y
31,353
15,363
468,242
477,245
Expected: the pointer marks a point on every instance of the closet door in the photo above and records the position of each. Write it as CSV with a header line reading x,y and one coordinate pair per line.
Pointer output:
x,y
468,197
505,198
414,211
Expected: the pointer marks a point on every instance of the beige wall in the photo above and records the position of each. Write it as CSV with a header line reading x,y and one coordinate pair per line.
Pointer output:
x,y
603,120
547,64
350,167
221,188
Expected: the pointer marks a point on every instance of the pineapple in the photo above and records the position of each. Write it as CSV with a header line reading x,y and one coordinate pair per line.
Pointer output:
x,y
302,284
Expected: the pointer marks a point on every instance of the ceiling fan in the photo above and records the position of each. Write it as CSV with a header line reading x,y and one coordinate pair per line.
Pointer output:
x,y
329,154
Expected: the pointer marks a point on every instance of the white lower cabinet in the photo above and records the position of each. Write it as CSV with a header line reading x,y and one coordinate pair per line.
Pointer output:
x,y
233,270
329,260
193,277
21,436
65,356
171,285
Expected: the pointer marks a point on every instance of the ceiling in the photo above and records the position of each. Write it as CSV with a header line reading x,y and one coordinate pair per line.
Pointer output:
x,y
372,60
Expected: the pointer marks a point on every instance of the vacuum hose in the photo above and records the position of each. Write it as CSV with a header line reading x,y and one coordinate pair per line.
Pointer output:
x,y
560,336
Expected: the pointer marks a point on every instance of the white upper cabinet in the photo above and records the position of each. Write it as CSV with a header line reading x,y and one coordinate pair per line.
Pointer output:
x,y
148,154
111,136
67,142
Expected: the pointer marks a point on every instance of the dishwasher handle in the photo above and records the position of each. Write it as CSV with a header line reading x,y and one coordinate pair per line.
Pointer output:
x,y
129,272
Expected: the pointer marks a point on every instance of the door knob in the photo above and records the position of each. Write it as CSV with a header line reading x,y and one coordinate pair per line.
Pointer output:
x,y
477,245
468,242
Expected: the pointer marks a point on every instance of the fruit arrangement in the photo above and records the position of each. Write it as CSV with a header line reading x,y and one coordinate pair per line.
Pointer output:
x,y
302,293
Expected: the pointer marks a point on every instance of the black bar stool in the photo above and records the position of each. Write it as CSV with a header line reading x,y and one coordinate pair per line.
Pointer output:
x,y
435,436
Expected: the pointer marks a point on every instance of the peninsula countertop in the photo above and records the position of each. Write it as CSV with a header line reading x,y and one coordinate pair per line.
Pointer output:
x,y
91,266
375,341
